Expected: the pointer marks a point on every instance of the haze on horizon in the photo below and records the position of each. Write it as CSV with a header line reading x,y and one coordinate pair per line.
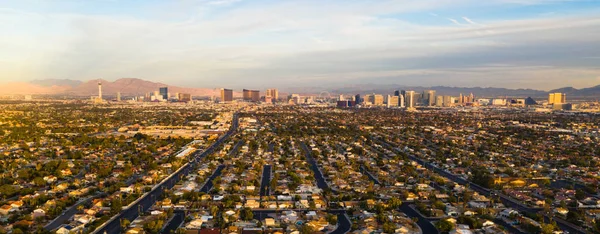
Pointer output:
x,y
540,44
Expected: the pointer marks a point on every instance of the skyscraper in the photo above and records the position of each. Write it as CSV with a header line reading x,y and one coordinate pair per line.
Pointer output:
x,y
431,97
184,97
557,98
393,101
439,101
397,93
357,99
118,96
99,90
246,95
255,95
164,93
448,101
410,99
377,99
226,95
251,95
401,101
273,93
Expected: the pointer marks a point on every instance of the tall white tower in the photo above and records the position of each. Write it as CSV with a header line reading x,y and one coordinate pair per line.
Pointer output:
x,y
99,90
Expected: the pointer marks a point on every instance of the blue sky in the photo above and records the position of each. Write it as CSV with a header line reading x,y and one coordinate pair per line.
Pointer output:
x,y
541,44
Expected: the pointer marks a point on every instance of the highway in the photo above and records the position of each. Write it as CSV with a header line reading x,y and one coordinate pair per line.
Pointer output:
x,y
131,212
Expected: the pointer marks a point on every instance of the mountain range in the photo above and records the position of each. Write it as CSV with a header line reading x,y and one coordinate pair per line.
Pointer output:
x,y
126,86
137,87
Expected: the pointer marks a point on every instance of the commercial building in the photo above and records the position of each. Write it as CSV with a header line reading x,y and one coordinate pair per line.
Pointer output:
x,y
377,99
562,106
448,101
251,95
439,101
430,98
529,101
410,99
226,95
557,98
255,95
498,102
246,94
273,94
184,97
393,101
164,93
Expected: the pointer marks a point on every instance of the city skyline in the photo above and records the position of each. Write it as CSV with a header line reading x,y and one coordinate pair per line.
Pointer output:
x,y
502,43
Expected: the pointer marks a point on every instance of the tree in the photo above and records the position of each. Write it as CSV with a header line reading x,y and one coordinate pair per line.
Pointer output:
x,y
389,227
125,223
574,217
116,205
444,225
39,181
246,214
305,229
394,203
547,228
332,219
579,194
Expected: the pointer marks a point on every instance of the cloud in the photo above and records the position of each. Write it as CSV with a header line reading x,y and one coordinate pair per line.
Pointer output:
x,y
456,22
289,43
472,22
223,2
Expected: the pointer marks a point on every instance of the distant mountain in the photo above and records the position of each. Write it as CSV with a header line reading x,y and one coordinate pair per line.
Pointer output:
x,y
25,88
126,86
56,82
573,92
566,90
134,86
138,87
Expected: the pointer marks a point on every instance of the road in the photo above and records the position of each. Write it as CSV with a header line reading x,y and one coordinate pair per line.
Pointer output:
x,y
426,226
265,181
68,213
174,222
271,147
146,201
321,183
344,225
71,211
366,172
209,184
236,148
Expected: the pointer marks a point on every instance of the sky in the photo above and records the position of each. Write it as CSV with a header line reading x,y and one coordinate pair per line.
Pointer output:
x,y
540,44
